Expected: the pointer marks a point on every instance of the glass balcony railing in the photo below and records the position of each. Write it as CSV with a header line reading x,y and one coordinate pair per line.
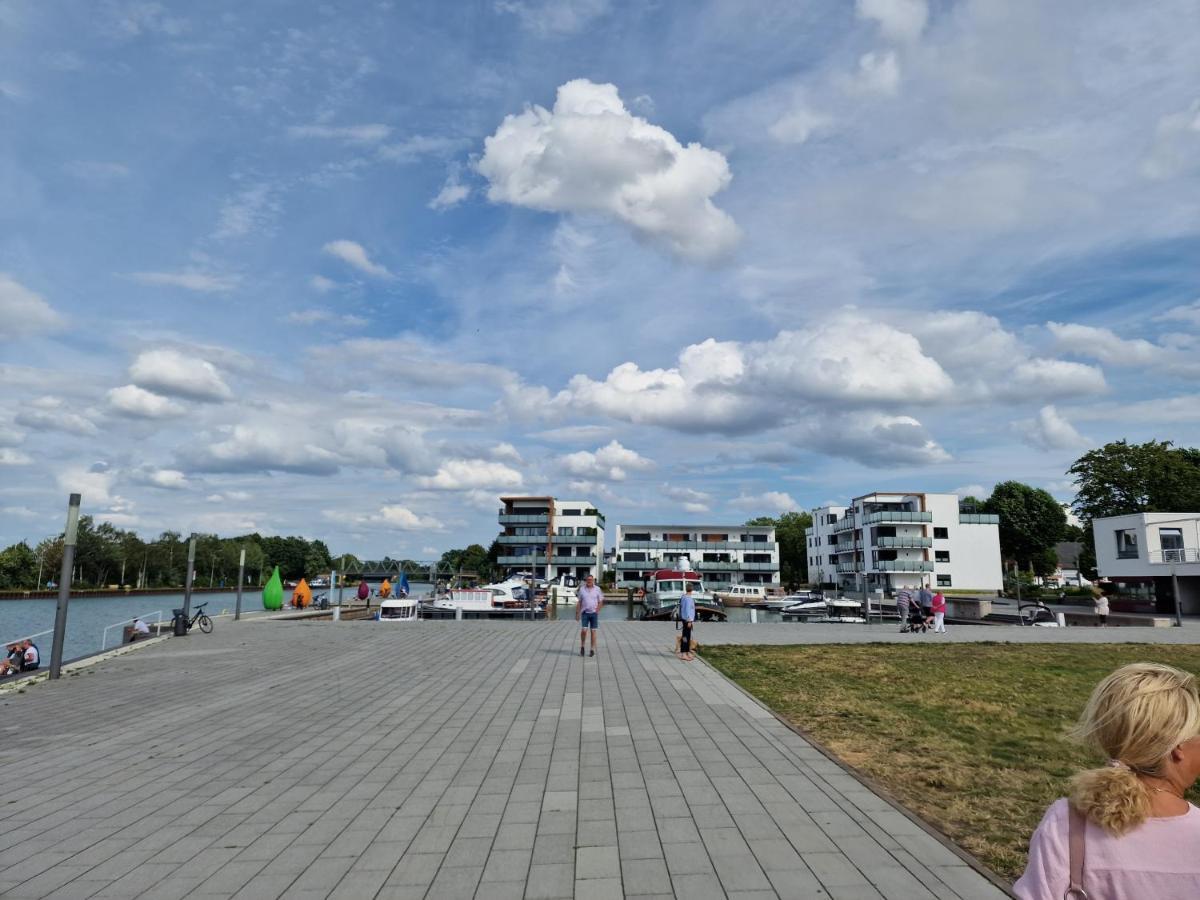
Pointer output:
x,y
703,546
897,515
978,519
902,565
904,543
524,519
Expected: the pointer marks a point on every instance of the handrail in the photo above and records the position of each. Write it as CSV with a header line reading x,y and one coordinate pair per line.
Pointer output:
x,y
28,637
104,639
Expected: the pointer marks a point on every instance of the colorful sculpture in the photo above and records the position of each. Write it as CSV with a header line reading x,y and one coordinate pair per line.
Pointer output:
x,y
272,596
302,596
385,589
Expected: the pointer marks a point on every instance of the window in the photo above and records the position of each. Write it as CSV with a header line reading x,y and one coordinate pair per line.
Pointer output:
x,y
756,557
941,556
831,519
943,581
676,536
1127,544
635,557
566,530
941,534
637,536
709,538
571,512
1171,541
832,559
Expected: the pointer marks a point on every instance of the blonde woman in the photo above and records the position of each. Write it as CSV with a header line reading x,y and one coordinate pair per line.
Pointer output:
x,y
1141,837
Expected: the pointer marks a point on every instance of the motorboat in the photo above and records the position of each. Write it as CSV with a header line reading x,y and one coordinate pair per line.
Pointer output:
x,y
782,604
666,588
398,609
844,610
319,582
510,594
742,595
806,605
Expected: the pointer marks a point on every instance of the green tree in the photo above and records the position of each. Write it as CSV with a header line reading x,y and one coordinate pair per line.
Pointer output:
x,y
18,567
1031,521
1121,478
791,532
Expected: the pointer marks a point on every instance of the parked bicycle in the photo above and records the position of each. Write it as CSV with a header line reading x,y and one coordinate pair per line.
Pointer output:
x,y
200,617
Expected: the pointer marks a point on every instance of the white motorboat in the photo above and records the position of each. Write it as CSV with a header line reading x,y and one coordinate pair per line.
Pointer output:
x,y
398,609
667,587
510,594
742,595
844,610
804,605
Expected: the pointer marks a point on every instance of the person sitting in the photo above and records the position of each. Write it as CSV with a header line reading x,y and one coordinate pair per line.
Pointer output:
x,y
31,657
139,630
16,655
6,668
1139,835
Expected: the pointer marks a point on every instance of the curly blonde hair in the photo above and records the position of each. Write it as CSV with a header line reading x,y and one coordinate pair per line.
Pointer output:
x,y
1135,717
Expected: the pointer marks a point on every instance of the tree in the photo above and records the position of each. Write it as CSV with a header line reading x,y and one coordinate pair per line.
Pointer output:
x,y
1031,521
18,567
1121,478
791,532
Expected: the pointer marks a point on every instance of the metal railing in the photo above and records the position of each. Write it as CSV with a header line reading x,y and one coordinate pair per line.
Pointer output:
x,y
1174,555
978,519
902,565
29,637
749,546
845,523
896,516
523,519
158,613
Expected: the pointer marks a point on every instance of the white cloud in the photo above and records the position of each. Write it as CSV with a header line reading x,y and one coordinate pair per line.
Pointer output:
x,y
94,486
1050,431
877,73
453,192
1189,313
1112,349
252,210
355,255
51,414
169,479
11,457
131,400
405,519
978,491
95,171
554,17
262,448
465,474
177,374
689,499
371,133
316,316
321,284
1049,378
190,281
899,20
23,312
1176,149
767,503
872,438
612,462
419,146
589,155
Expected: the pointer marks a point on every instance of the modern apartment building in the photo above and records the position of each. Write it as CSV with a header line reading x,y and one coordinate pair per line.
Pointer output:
x,y
1148,557
724,555
884,541
549,537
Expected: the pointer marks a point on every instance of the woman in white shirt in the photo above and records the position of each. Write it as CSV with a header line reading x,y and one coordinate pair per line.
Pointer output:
x,y
1141,837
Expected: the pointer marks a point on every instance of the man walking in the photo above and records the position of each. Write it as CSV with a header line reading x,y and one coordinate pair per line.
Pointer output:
x,y
904,599
925,598
587,611
687,617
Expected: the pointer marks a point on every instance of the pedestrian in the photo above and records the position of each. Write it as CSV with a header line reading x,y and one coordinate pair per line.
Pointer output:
x,y
687,618
590,600
925,601
1126,832
904,599
1102,608
938,606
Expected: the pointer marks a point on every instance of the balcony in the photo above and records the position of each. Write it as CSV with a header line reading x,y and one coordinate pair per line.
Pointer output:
x,y
891,516
845,524
524,519
978,519
704,566
1168,557
539,559
636,565
589,539
848,568
704,546
904,543
523,539
902,565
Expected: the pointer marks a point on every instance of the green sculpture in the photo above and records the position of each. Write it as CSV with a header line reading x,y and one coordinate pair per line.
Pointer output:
x,y
273,591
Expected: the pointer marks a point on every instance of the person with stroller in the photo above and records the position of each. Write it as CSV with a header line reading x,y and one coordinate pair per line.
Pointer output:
x,y
925,601
1127,832
904,599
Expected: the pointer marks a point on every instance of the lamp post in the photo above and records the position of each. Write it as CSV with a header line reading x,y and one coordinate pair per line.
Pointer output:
x,y
187,584
237,613
64,586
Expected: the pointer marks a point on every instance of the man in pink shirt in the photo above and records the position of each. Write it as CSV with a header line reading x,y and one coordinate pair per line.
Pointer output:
x,y
587,611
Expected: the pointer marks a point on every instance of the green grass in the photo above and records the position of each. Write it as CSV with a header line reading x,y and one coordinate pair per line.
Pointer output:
x,y
972,737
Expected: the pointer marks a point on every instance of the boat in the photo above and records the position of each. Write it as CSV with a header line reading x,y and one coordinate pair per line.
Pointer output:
x,y
667,586
510,594
319,582
805,605
742,595
815,608
844,610
398,609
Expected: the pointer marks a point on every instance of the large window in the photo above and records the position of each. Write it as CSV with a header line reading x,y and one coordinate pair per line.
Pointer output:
x,y
637,535
1171,541
1127,544
756,557
634,557
566,530
709,538
941,534
943,581
941,555
571,512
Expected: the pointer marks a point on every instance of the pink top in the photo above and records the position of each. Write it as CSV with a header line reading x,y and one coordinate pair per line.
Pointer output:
x,y
939,602
1159,859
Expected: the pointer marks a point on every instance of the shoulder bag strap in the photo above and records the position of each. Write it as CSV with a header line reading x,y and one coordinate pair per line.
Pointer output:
x,y
1075,839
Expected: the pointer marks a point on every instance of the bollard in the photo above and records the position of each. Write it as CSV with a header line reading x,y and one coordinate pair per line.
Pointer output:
x,y
458,614
554,602
629,604
337,614
1061,619
754,617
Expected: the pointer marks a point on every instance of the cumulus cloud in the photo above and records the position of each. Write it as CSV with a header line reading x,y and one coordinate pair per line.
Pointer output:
x,y
611,462
467,474
1111,349
131,400
201,282
899,20
370,133
453,192
178,374
355,255
766,503
255,448
689,499
23,312
1050,431
872,438
590,155
554,17
168,479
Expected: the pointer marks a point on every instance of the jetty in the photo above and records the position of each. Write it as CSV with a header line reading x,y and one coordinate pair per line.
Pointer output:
x,y
307,759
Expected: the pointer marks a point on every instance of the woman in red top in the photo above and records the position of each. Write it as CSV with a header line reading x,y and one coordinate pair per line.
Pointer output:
x,y
939,613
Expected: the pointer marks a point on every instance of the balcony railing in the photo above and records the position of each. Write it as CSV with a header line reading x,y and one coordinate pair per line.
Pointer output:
x,y
707,546
904,543
845,524
1179,555
710,566
540,560
523,539
896,516
845,568
978,519
524,518
902,565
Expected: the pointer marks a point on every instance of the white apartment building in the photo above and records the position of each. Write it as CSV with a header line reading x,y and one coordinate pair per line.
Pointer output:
x,y
549,537
1147,556
884,541
724,555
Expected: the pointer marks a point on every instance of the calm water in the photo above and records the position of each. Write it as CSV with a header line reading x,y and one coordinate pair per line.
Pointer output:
x,y
89,616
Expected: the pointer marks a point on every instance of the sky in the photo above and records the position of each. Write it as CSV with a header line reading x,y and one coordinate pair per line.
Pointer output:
x,y
355,270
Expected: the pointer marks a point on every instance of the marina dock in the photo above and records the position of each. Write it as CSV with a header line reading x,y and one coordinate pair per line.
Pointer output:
x,y
438,759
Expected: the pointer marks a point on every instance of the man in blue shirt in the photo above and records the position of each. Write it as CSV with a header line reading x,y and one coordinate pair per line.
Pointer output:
x,y
687,616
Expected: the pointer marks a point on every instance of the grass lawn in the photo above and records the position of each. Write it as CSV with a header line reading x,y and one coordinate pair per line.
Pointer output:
x,y
969,736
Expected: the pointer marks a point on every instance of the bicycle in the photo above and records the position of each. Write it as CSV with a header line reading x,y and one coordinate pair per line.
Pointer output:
x,y
201,618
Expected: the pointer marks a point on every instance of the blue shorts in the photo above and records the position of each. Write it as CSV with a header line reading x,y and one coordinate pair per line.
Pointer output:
x,y
589,620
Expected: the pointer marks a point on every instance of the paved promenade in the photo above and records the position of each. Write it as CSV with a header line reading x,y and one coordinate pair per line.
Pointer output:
x,y
446,759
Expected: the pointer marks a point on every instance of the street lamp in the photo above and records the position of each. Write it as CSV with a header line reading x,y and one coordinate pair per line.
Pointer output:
x,y
64,586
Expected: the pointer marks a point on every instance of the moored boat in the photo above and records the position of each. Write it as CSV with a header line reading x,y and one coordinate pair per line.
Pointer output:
x,y
742,595
667,587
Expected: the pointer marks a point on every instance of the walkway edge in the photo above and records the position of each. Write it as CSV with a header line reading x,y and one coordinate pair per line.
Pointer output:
x,y
85,662
875,787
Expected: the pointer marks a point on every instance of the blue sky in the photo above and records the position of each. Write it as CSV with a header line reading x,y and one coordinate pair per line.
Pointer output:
x,y
355,270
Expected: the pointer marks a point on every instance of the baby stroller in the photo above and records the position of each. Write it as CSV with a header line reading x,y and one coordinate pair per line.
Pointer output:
x,y
916,620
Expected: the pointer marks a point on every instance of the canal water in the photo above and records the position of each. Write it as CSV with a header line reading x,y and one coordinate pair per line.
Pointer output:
x,y
88,617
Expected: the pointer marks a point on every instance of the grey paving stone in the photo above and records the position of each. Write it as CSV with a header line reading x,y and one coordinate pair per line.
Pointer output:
x,y
597,862
550,882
